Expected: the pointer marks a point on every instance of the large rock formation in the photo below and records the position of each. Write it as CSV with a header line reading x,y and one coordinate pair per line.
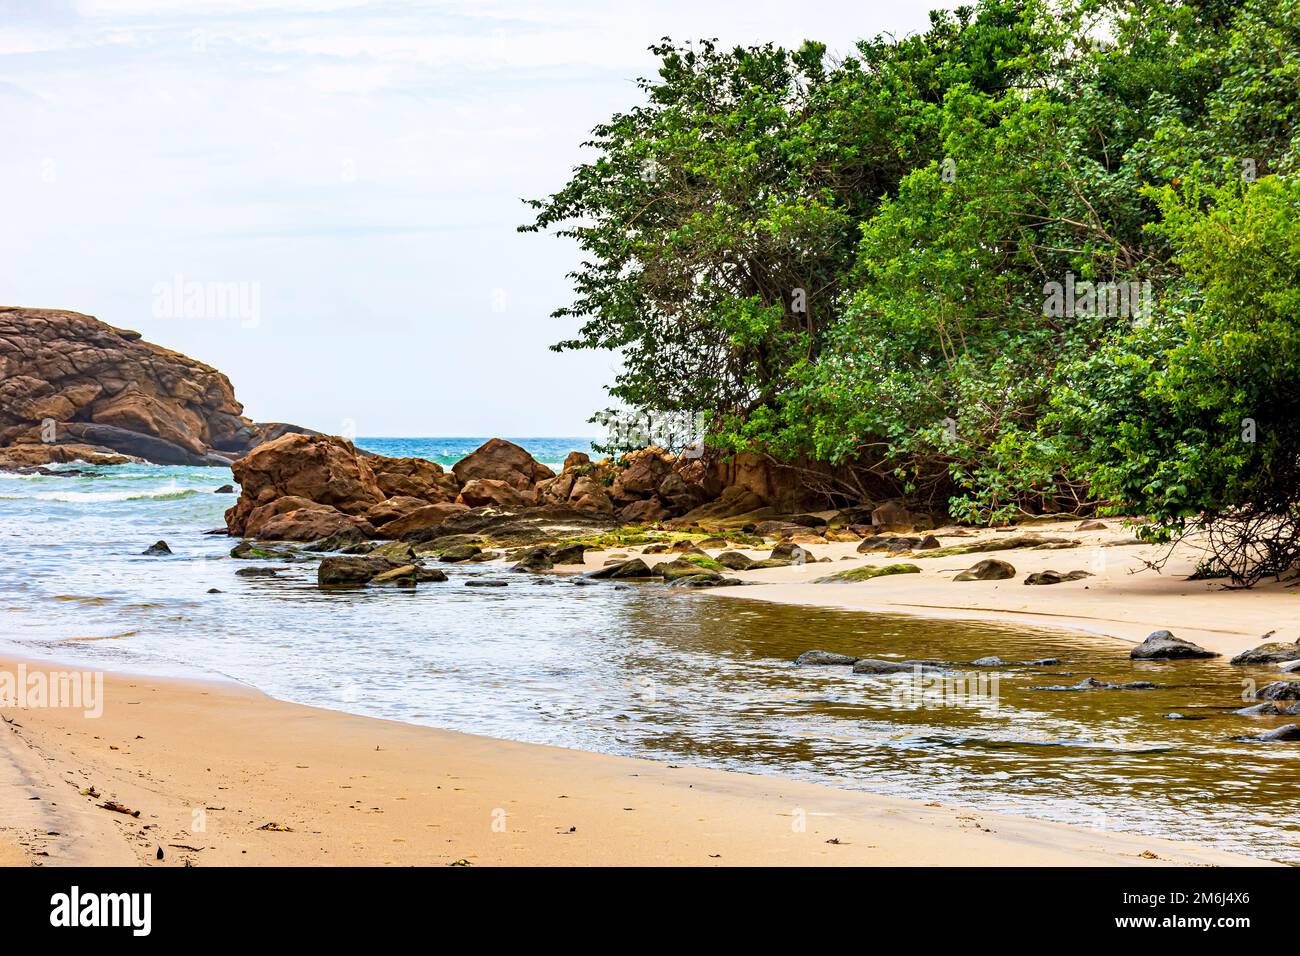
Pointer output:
x,y
73,387
501,460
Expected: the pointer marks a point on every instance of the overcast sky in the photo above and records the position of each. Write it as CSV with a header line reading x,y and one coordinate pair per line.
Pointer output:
x,y
357,167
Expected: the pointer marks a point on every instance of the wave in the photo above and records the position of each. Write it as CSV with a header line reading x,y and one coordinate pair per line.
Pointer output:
x,y
171,493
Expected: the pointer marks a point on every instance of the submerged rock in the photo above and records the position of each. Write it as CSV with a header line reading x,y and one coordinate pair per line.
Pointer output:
x,y
1283,733
224,490
1271,653
535,559
633,568
158,547
460,552
817,658
1163,646
258,572
404,576
1268,709
1091,683
704,579
990,662
247,551
1279,690
990,569
352,570
486,583
869,665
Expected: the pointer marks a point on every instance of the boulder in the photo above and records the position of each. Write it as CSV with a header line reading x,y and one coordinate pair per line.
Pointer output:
x,y
641,474
791,554
869,665
390,509
460,552
735,561
351,571
633,568
416,478
990,569
501,460
1279,690
1163,646
422,519
575,460
819,658
704,579
682,568
1285,732
732,503
570,554
478,492
158,547
893,516
1271,653
535,559
320,469
1091,525
647,511
403,576
344,540
310,524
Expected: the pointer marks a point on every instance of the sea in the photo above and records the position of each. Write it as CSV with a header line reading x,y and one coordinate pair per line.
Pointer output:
x,y
638,669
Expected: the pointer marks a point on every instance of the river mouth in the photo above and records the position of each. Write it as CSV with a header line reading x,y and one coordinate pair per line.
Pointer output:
x,y
649,671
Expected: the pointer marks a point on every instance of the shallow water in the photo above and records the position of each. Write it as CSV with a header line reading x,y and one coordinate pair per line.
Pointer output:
x,y
647,671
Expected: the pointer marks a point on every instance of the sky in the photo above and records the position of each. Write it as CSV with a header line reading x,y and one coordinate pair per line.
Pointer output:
x,y
319,197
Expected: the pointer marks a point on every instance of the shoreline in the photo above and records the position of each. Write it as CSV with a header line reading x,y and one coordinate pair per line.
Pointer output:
x,y
366,791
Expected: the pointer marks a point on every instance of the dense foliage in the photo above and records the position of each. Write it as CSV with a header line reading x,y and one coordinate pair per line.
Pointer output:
x,y
1042,256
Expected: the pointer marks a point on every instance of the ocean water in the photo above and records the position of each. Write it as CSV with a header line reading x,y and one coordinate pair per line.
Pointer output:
x,y
447,451
642,670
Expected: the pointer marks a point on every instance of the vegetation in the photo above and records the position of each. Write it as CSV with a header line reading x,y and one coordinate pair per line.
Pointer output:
x,y
1039,257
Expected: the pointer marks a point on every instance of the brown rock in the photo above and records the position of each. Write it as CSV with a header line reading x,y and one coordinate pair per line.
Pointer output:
x,y
393,508
893,516
643,512
414,478
322,469
430,516
641,474
501,460
309,524
478,492
576,459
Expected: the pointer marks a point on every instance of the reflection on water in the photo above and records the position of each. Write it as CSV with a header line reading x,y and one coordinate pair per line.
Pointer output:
x,y
653,672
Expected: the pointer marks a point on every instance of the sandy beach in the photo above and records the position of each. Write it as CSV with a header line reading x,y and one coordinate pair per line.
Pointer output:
x,y
355,790
217,770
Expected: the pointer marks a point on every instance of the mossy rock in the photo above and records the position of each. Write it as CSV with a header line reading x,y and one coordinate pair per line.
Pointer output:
x,y
867,573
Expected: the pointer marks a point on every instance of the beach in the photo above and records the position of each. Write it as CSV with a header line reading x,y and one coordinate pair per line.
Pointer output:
x,y
216,770
360,791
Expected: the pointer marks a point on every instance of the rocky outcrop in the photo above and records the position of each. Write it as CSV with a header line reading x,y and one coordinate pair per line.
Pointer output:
x,y
1163,646
75,388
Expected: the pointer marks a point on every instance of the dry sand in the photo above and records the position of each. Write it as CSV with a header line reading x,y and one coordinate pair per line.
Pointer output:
x,y
209,765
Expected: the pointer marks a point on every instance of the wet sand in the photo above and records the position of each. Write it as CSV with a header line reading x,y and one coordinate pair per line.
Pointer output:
x,y
210,766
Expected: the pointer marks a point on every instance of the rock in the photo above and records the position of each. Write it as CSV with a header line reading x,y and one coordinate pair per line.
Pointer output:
x,y
648,511
422,519
399,551
990,569
108,390
893,515
682,568
575,460
478,492
500,460
1055,577
818,658
158,547
889,543
732,503
460,552
404,576
536,559
1163,646
790,553
1091,683
319,469
225,490
340,541
735,561
215,591
1285,732
247,551
310,524
1043,662
1279,690
486,583
1290,668
1272,653
258,572
990,662
570,553
703,580
1266,709
928,542
634,568
1091,525
868,665
351,570
423,574
416,478
641,473
391,509
866,573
